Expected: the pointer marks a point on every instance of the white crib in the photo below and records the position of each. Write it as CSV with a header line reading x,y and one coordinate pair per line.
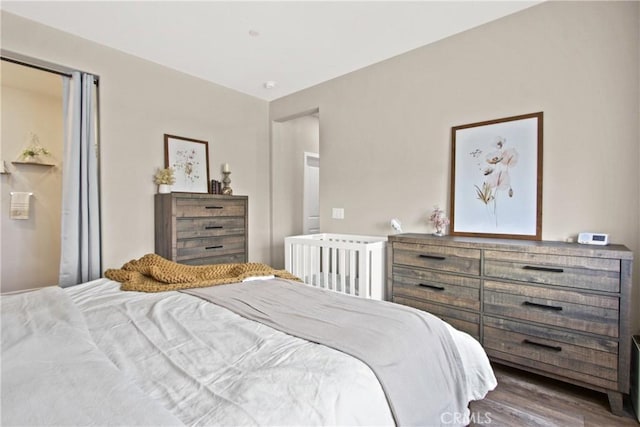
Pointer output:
x,y
343,263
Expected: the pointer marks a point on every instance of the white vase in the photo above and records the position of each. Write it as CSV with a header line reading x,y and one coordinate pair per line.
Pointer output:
x,y
439,231
164,188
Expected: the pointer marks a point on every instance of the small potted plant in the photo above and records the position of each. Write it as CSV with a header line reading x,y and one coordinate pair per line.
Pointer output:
x,y
33,153
35,150
164,179
439,221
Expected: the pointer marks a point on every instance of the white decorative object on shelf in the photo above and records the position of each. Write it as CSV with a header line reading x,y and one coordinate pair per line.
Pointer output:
x,y
396,225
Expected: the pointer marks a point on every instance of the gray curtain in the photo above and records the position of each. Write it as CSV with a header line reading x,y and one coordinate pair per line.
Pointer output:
x,y
80,259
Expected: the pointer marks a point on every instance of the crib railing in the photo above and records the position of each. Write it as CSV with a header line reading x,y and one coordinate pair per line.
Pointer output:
x,y
343,263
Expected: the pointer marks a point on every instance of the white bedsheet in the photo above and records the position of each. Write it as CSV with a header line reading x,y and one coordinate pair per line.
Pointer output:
x,y
209,366
53,373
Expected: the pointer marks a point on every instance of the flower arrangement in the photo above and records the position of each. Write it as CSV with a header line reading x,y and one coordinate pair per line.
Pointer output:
x,y
439,220
164,177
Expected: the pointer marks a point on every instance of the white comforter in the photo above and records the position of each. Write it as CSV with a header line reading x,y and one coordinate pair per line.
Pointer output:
x,y
209,366
53,373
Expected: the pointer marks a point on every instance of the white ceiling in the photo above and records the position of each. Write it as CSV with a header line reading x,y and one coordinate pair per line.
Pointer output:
x,y
242,45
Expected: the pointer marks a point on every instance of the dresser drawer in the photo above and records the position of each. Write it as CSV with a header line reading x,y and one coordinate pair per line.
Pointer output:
x,y
189,207
443,258
596,314
463,320
187,228
221,259
600,274
209,247
459,291
587,359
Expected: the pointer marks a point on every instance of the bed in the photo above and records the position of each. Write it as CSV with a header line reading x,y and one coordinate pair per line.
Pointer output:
x,y
94,354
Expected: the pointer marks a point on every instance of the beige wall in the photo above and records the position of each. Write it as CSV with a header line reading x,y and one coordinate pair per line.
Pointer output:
x,y
31,247
385,129
291,138
139,102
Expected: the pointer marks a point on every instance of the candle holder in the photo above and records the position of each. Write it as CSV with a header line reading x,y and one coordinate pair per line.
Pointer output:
x,y
226,190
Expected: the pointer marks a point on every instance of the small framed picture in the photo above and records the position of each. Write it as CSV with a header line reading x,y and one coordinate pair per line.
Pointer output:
x,y
189,159
496,178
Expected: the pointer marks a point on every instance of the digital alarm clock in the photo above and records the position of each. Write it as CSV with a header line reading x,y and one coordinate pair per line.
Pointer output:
x,y
593,238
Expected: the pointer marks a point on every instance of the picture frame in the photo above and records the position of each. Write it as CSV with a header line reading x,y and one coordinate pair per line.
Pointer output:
x,y
189,159
496,178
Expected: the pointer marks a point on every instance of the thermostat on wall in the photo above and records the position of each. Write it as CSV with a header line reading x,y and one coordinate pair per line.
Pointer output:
x,y
593,238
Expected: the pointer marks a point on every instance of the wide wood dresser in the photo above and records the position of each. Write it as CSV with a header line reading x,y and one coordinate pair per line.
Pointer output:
x,y
553,308
198,228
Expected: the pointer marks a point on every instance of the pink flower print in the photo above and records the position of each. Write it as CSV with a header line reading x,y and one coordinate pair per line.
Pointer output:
x,y
494,157
495,171
509,157
499,180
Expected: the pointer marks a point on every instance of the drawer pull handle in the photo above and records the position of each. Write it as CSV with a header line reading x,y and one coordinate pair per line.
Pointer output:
x,y
543,306
434,287
548,269
214,207
437,258
538,344
214,247
212,227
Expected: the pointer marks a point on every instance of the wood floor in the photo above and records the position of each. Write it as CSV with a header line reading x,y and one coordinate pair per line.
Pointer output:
x,y
523,399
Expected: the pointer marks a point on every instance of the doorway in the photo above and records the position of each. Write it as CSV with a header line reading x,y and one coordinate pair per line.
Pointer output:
x,y
69,211
292,137
32,115
311,194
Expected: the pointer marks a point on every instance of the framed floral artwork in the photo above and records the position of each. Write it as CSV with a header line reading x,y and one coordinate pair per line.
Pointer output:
x,y
189,159
496,178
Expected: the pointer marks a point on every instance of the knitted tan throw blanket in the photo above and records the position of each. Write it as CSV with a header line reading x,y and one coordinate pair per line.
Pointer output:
x,y
152,273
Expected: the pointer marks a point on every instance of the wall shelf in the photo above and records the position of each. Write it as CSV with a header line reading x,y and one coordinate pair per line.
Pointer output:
x,y
5,171
32,163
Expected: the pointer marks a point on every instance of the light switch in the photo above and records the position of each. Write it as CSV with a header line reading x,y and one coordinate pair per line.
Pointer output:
x,y
338,213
